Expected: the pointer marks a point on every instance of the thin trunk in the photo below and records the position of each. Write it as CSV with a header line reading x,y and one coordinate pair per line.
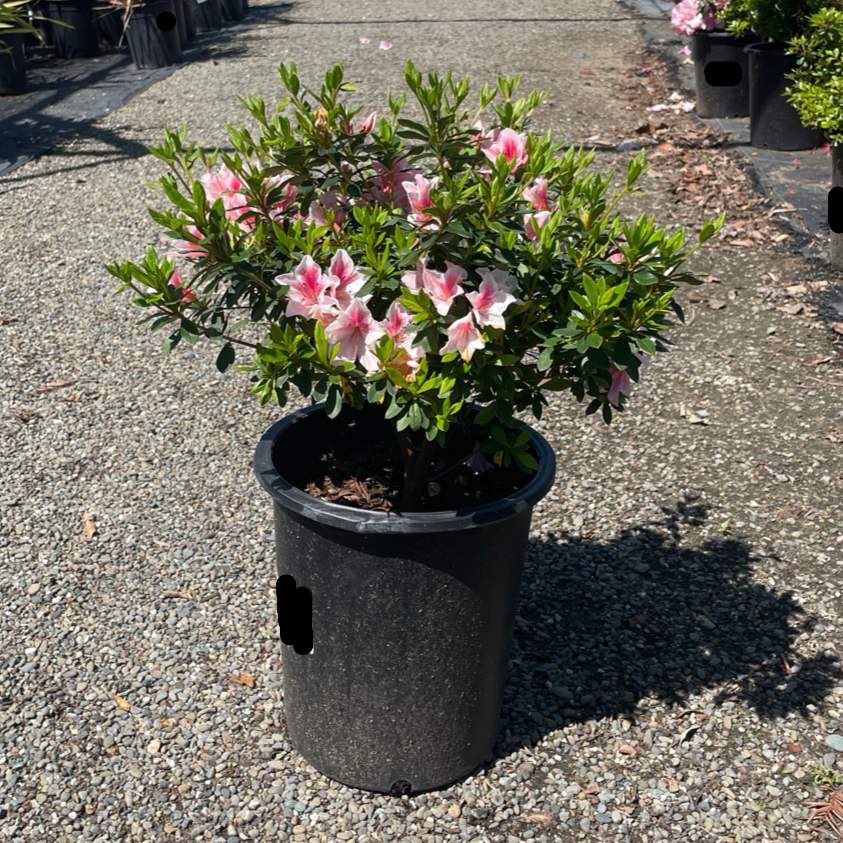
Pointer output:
x,y
416,456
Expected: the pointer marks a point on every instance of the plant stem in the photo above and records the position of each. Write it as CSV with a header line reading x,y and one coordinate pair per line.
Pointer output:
x,y
416,457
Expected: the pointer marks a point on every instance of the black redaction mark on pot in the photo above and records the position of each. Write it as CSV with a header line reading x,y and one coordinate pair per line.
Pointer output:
x,y
723,74
165,21
295,606
835,209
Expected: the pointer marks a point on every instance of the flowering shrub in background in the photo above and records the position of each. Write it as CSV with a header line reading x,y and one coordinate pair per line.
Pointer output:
x,y
690,16
428,262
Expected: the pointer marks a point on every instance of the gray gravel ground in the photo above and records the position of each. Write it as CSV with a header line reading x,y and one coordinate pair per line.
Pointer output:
x,y
674,676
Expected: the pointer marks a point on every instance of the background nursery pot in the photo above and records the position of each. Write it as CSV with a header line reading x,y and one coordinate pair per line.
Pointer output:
x,y
721,100
80,38
208,15
836,252
150,45
773,122
12,67
412,618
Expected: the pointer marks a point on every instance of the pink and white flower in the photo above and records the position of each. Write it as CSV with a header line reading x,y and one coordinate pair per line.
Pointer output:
x,y
617,256
396,321
329,201
311,293
418,192
620,381
414,280
533,223
506,142
368,124
221,183
537,195
386,184
444,287
186,249
464,338
348,279
187,295
357,332
492,298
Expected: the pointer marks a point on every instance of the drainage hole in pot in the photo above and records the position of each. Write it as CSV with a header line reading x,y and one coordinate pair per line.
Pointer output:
x,y
400,788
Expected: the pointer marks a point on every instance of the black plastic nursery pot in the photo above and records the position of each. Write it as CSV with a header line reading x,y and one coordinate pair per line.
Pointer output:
x,y
12,66
150,45
81,38
835,209
185,9
774,123
412,618
721,71
233,10
109,22
208,15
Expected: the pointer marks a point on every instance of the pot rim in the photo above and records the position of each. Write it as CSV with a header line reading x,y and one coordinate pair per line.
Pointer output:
x,y
376,521
766,47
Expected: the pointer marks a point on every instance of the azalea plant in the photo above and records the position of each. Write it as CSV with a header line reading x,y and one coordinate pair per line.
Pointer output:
x,y
429,262
779,20
690,16
817,90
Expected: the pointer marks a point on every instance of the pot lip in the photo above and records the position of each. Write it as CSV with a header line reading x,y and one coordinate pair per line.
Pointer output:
x,y
760,47
722,33
375,521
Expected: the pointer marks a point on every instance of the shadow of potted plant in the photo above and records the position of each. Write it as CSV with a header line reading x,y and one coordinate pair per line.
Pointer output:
x,y
773,122
421,281
817,94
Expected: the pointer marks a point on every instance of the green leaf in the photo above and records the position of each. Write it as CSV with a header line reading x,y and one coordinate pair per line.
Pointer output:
x,y
646,345
226,357
486,414
526,460
333,401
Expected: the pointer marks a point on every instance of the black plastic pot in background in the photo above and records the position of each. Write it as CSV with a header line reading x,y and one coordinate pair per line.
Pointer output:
x,y
80,41
774,123
12,66
719,63
233,10
109,22
208,15
836,206
186,8
149,44
180,24
412,618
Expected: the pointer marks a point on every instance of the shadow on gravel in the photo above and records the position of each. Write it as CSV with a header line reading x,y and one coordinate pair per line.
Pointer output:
x,y
692,620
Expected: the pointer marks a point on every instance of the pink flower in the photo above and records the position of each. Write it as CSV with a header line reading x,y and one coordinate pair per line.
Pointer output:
x,y
368,124
329,201
221,183
348,279
509,144
288,194
444,287
363,39
687,19
386,185
386,45
357,332
396,321
620,381
533,223
186,249
617,257
464,338
537,195
187,295
414,280
311,292
492,299
418,193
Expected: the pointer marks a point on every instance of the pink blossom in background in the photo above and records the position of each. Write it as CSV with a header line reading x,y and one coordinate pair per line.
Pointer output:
x,y
357,332
178,282
533,223
413,280
685,51
363,39
510,144
218,184
329,201
444,287
290,191
186,249
537,195
418,193
386,185
620,381
617,256
368,124
311,293
464,338
491,299
386,45
396,321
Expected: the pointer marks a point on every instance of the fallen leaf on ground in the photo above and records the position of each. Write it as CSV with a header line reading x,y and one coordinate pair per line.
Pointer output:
x,y
716,304
794,747
187,595
243,679
541,818
626,749
55,385
88,527
121,703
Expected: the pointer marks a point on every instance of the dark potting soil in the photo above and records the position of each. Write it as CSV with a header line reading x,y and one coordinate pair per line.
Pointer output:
x,y
367,473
